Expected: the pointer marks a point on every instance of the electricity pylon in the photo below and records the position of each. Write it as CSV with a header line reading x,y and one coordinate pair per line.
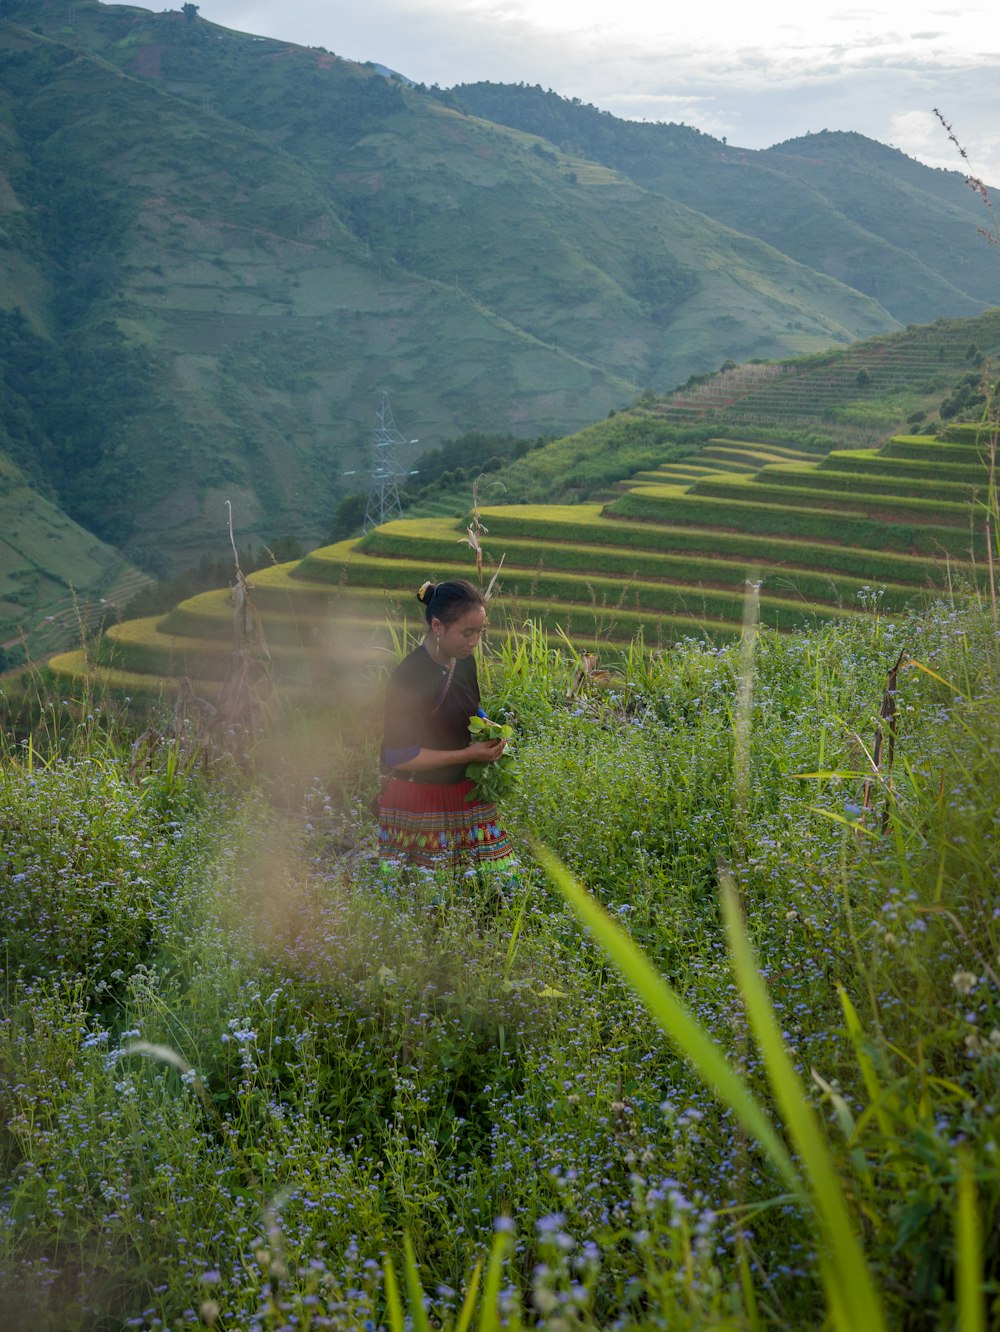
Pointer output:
x,y
386,469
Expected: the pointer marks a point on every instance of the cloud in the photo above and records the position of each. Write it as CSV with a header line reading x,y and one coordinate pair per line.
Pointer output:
x,y
920,134
768,73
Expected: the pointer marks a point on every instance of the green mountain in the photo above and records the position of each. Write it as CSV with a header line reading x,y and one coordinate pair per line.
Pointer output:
x,y
57,580
216,249
857,210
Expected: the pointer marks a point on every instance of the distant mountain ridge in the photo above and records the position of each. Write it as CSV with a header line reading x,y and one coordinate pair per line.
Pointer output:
x,y
216,248
864,213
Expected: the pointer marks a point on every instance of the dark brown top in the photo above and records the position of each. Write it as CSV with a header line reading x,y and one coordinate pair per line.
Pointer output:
x,y
416,716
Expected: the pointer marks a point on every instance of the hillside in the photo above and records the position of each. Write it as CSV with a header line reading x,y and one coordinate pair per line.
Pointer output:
x,y
860,211
922,378
823,538
650,523
57,580
221,247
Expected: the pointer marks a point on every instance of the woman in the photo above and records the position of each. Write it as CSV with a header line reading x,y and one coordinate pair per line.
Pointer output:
x,y
424,815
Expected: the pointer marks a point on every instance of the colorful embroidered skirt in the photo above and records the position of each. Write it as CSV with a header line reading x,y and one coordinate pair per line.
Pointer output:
x,y
433,825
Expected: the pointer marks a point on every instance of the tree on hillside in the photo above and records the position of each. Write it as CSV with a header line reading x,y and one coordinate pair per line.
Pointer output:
x,y
190,12
348,517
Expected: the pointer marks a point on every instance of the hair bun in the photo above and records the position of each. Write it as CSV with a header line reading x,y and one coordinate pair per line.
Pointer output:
x,y
425,591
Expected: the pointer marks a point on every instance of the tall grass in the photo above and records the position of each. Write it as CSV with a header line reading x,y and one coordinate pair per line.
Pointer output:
x,y
746,1098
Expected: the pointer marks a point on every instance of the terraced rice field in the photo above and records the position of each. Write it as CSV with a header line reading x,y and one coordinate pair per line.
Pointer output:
x,y
815,389
669,556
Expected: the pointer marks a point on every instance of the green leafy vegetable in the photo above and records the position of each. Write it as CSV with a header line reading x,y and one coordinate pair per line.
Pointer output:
x,y
493,780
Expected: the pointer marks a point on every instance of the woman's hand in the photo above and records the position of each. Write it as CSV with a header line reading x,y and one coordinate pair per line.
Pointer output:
x,y
485,751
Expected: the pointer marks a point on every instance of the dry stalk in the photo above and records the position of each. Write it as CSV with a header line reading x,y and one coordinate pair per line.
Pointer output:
x,y
743,713
474,534
471,539
588,672
992,524
475,531
887,716
491,585
990,234
990,414
247,699
247,695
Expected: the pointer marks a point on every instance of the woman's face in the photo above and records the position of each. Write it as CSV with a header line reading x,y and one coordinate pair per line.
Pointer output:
x,y
460,637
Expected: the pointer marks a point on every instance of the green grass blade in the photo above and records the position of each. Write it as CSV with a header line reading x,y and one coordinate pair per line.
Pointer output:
x,y
969,1255
393,1303
746,1286
675,1019
489,1317
940,678
414,1288
855,825
851,1293
469,1303
515,934
876,1093
850,1129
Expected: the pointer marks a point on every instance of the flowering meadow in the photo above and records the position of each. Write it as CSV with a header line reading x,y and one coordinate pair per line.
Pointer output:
x,y
251,1078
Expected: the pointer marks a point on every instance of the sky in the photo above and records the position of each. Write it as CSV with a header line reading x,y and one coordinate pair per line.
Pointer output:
x,y
754,74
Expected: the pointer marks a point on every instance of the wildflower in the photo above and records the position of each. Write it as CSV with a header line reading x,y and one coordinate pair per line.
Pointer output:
x,y
545,1301
964,982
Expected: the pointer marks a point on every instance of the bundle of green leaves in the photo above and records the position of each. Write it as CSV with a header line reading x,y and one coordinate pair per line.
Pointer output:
x,y
493,780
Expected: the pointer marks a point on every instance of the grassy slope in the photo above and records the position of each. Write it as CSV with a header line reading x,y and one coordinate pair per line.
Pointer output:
x,y
843,204
291,233
671,552
670,547
542,239
265,345
666,559
24,277
47,560
862,394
